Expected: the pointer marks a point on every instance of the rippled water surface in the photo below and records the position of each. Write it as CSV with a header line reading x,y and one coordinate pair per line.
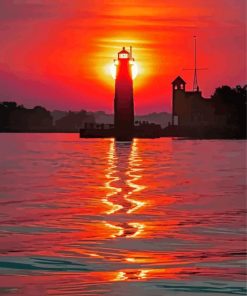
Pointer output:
x,y
95,217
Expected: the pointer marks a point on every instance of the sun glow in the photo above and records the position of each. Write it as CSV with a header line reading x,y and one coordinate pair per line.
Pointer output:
x,y
134,69
113,71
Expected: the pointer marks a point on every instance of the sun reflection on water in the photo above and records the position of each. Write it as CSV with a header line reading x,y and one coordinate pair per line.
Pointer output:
x,y
118,198
131,275
122,185
133,169
97,229
110,175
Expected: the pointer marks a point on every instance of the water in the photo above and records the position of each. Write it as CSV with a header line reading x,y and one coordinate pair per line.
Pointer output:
x,y
95,217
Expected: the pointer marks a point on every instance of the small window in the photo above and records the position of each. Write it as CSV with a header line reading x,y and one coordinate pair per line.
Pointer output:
x,y
123,56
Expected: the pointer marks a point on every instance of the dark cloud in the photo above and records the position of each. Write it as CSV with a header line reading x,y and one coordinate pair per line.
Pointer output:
x,y
15,10
11,10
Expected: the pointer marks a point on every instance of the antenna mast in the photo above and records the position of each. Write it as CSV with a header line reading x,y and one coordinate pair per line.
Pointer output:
x,y
195,83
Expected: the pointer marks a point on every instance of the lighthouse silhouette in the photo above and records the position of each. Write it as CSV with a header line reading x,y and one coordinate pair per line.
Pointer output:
x,y
124,99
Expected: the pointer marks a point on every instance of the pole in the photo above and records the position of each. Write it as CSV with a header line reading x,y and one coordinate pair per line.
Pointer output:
x,y
195,84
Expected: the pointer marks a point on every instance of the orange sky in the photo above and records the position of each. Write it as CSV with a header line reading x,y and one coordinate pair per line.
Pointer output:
x,y
57,53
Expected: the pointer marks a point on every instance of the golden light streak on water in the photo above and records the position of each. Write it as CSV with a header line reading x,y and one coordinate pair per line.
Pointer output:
x,y
137,204
114,207
132,274
119,229
110,175
134,166
121,276
134,163
143,274
130,259
140,227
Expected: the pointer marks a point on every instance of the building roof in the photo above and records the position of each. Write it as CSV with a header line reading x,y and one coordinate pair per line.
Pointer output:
x,y
179,80
123,51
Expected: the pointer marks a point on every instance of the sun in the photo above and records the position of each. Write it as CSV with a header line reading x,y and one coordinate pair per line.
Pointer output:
x,y
134,69
113,71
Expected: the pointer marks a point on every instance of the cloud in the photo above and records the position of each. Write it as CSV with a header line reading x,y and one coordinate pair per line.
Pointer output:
x,y
12,10
69,42
18,10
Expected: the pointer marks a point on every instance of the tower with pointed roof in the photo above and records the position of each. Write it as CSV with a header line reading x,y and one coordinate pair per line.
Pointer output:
x,y
178,86
190,110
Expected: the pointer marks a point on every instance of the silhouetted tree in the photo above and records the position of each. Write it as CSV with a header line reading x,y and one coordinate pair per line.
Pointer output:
x,y
231,102
73,121
39,117
18,118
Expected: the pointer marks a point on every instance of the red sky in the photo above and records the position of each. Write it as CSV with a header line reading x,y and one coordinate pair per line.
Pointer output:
x,y
57,53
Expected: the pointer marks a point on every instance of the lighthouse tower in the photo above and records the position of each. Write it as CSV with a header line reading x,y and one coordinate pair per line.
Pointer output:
x,y
124,101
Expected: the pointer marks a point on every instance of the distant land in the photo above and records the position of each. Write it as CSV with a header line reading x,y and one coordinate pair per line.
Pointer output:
x,y
221,116
161,118
17,118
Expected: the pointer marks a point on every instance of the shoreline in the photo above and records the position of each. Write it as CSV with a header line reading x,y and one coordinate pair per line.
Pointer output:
x,y
97,137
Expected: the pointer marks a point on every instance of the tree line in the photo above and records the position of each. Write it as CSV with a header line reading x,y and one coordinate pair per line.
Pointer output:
x,y
232,104
17,118
228,102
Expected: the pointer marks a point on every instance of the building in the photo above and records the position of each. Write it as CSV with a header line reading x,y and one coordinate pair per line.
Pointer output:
x,y
124,99
196,116
189,109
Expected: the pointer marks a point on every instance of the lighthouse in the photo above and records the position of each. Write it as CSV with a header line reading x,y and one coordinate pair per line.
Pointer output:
x,y
124,99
